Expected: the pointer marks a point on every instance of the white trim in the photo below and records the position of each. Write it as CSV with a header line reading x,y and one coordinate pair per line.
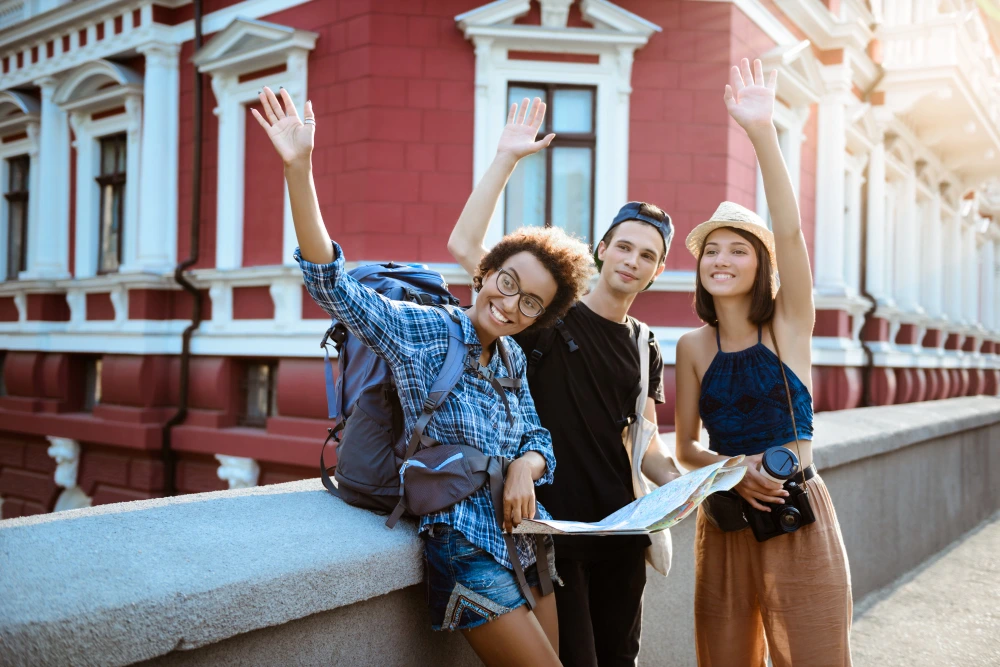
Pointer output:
x,y
48,242
615,39
243,47
158,174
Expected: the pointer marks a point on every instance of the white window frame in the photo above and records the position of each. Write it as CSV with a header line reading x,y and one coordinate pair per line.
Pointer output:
x,y
244,47
26,121
81,96
617,34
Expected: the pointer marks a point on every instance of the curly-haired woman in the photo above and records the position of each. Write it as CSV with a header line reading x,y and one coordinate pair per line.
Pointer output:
x,y
529,279
747,375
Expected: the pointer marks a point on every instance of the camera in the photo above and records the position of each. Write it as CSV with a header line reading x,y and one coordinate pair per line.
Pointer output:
x,y
780,465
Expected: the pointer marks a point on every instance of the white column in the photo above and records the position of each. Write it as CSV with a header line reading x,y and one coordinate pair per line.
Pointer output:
x,y
878,228
298,70
987,295
156,248
926,256
48,243
953,269
933,290
853,179
970,275
88,156
907,247
229,179
830,165
994,277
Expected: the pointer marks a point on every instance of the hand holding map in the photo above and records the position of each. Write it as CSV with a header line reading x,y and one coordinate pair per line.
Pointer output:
x,y
656,511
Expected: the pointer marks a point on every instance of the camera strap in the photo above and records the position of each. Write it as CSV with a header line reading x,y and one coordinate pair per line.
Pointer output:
x,y
788,391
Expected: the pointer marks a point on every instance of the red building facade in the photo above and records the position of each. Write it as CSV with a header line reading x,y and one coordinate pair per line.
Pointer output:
x,y
892,163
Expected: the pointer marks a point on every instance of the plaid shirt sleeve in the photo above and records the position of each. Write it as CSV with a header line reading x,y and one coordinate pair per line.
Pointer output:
x,y
392,329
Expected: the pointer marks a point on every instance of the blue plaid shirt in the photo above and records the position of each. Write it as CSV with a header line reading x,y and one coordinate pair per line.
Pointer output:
x,y
413,340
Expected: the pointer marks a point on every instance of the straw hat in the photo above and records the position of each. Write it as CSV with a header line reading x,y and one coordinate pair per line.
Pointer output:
x,y
733,215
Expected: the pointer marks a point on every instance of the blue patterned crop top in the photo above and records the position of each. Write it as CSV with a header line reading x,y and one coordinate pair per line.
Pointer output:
x,y
743,402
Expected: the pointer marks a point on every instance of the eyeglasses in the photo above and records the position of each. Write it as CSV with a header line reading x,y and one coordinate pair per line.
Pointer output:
x,y
529,305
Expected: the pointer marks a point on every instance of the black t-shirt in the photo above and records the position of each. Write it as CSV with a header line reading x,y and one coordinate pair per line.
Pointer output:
x,y
583,398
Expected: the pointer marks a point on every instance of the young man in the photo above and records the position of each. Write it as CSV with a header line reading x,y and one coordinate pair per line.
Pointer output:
x,y
584,379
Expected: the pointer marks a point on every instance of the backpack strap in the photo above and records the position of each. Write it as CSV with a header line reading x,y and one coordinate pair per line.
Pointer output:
x,y
337,334
444,383
543,345
511,382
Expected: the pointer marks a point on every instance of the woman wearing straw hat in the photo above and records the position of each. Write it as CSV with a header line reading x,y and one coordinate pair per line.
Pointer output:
x,y
747,375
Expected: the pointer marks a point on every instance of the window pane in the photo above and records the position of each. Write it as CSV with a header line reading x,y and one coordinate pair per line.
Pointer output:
x,y
572,182
108,252
120,151
18,174
573,111
260,394
525,194
16,218
92,385
516,94
107,157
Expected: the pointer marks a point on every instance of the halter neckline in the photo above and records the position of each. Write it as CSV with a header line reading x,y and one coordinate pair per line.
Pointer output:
x,y
718,340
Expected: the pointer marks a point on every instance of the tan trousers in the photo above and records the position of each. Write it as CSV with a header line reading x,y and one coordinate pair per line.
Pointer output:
x,y
793,589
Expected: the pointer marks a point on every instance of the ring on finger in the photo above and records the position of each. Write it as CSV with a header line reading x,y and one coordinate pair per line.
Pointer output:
x,y
309,121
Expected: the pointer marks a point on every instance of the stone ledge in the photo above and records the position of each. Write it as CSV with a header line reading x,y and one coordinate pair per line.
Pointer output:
x,y
845,436
118,584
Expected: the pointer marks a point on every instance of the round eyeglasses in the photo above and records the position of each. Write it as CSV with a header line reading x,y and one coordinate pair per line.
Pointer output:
x,y
529,305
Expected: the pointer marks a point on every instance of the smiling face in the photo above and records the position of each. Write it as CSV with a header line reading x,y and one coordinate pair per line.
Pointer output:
x,y
728,265
632,257
497,314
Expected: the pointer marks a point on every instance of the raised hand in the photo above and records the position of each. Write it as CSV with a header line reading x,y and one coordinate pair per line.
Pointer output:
x,y
518,138
749,100
292,138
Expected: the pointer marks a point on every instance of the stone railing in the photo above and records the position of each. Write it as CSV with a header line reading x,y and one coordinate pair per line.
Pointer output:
x,y
286,573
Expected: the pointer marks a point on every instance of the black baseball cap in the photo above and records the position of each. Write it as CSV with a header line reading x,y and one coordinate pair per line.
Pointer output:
x,y
632,211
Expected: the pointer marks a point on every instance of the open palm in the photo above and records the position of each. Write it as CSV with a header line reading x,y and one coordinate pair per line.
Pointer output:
x,y
749,100
523,123
292,138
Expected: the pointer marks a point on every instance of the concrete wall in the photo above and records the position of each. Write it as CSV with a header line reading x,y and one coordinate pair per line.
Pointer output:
x,y
286,574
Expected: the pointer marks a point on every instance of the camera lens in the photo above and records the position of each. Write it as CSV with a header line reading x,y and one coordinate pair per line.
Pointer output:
x,y
789,519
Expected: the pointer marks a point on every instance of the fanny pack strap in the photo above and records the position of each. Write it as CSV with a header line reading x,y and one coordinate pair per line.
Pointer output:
x,y
496,475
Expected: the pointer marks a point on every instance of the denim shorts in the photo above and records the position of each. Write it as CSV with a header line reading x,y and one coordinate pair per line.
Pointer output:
x,y
465,585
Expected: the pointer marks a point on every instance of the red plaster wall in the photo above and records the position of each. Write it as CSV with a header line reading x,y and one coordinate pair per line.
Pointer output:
x,y
8,311
252,303
99,306
48,308
209,162
26,475
263,192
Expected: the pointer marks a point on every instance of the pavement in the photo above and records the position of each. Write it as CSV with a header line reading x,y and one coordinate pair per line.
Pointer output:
x,y
947,612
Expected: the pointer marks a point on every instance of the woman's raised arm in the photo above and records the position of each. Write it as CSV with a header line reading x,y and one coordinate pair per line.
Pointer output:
x,y
751,103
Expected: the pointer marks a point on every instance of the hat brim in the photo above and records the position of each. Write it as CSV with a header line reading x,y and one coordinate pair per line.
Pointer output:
x,y
696,240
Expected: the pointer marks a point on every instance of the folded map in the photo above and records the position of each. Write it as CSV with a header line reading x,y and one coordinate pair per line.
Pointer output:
x,y
658,510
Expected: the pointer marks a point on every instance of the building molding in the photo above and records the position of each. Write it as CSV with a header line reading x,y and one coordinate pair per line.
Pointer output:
x,y
616,36
244,47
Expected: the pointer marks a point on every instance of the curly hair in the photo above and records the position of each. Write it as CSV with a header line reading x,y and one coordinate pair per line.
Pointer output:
x,y
566,258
